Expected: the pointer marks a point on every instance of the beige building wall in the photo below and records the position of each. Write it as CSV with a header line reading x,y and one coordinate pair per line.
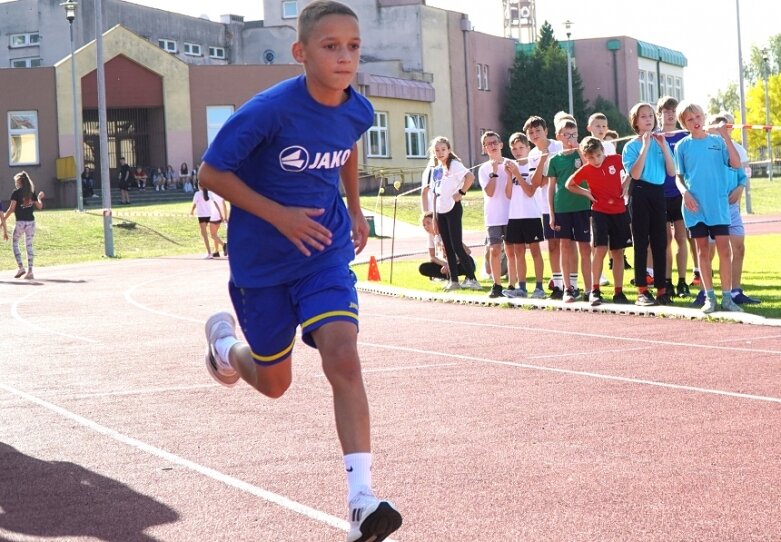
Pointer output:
x,y
176,88
437,58
398,165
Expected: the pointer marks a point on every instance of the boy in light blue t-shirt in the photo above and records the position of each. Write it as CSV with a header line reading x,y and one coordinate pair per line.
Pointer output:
x,y
702,163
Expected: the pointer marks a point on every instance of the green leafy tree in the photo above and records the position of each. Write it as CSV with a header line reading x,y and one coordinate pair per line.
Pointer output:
x,y
538,86
725,100
755,114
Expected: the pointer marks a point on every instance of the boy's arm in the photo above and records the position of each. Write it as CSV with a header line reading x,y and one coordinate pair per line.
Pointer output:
x,y
551,197
295,223
688,200
734,157
669,165
11,208
636,171
349,174
573,186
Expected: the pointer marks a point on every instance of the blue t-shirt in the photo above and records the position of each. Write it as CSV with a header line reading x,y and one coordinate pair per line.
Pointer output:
x,y
654,170
704,165
289,148
670,188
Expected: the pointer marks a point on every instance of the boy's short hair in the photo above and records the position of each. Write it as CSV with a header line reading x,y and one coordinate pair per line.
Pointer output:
x,y
487,134
718,118
535,122
611,133
591,145
596,116
728,118
516,137
687,106
666,102
565,123
315,11
635,112
561,115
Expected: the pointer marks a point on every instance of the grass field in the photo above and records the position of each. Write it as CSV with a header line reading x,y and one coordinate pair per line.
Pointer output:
x,y
65,236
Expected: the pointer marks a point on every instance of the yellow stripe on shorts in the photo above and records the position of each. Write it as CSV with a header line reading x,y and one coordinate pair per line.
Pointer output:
x,y
263,360
325,315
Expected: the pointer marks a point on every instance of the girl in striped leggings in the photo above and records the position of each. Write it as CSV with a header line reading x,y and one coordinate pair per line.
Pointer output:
x,y
23,201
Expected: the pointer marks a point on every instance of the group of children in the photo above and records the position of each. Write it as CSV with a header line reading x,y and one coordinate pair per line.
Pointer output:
x,y
587,202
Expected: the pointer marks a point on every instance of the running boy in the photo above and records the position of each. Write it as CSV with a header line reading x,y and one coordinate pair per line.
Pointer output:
x,y
494,175
605,189
569,214
524,228
278,159
702,161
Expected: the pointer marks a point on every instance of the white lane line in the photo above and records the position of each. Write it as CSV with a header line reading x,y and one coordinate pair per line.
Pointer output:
x,y
624,379
140,391
18,317
241,485
129,299
574,333
589,353
390,369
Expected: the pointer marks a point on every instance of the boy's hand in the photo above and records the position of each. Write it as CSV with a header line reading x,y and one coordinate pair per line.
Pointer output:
x,y
690,202
41,195
360,231
659,138
302,231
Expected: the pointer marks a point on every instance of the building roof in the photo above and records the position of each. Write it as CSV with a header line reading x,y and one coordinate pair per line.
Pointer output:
x,y
656,52
393,87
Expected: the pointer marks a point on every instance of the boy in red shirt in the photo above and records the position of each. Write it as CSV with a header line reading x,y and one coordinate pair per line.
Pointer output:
x,y
610,220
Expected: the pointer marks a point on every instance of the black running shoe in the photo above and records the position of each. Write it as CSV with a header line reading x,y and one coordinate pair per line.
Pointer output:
x,y
557,293
496,291
682,289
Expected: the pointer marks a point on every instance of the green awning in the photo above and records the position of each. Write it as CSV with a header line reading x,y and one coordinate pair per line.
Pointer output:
x,y
655,52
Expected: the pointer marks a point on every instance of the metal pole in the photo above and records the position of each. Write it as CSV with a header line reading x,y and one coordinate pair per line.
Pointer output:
x,y
568,24
767,117
76,130
744,132
105,179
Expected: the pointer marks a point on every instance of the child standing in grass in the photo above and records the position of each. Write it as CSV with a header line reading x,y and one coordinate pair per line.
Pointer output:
x,y
702,161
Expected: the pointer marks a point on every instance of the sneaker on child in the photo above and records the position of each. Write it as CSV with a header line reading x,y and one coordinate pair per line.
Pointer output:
x,y
219,326
372,519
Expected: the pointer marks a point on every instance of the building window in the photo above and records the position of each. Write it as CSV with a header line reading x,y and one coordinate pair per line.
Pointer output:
x,y
652,88
23,138
485,77
167,45
678,88
25,62
643,90
289,9
415,134
27,39
192,49
479,77
378,136
670,86
216,116
217,52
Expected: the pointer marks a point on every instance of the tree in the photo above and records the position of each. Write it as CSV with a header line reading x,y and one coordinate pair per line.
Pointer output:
x,y
538,85
755,114
727,100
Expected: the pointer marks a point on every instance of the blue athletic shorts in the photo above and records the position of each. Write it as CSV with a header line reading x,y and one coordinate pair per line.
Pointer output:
x,y
269,316
736,221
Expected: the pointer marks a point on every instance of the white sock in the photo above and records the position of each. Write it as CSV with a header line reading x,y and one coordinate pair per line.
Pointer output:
x,y
223,348
558,281
573,280
650,271
359,473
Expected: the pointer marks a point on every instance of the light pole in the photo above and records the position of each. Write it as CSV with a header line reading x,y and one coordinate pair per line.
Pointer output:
x,y
744,131
568,25
70,14
105,179
766,70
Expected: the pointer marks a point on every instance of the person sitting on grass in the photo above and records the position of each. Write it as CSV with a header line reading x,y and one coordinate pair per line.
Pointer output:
x,y
437,267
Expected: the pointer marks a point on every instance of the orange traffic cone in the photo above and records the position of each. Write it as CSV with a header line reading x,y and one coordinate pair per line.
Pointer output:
x,y
374,271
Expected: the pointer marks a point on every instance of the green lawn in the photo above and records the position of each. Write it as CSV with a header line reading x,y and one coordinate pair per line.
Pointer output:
x,y
65,236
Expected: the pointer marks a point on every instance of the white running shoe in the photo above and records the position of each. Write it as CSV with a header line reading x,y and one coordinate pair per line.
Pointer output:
x,y
471,284
451,286
372,520
218,326
603,280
